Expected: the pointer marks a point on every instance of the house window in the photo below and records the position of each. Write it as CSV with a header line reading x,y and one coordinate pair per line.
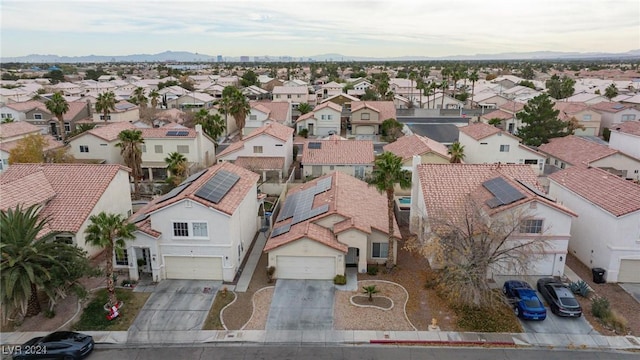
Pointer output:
x,y
504,148
183,149
253,117
323,117
143,147
65,239
483,143
158,149
331,167
102,117
586,117
200,229
279,145
628,117
180,229
84,148
122,258
365,116
379,250
359,172
561,165
67,127
289,96
531,226
37,116
531,161
257,149
555,162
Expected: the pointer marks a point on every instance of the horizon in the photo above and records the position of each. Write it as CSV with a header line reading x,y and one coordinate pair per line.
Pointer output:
x,y
375,29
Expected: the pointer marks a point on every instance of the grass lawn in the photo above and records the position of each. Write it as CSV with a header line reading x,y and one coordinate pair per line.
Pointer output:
x,y
94,317
213,319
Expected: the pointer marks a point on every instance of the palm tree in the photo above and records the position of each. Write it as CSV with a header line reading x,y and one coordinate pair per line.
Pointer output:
x,y
473,77
236,105
109,231
412,77
304,108
154,96
58,106
387,172
456,152
611,91
420,85
443,86
105,104
212,125
139,98
130,142
177,165
370,290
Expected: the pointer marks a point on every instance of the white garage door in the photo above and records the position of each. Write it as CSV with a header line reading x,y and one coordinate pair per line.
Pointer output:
x,y
629,271
193,268
324,131
365,130
306,267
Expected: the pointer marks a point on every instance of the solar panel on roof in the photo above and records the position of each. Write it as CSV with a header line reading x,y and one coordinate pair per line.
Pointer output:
x,y
323,185
173,193
194,177
218,186
315,145
289,207
618,106
503,191
280,230
140,217
534,190
172,133
182,133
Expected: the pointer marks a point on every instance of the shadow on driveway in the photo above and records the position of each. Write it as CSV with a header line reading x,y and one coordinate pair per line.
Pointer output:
x,y
302,305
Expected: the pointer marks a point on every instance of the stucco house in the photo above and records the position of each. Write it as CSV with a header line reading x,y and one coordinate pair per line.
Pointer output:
x,y
353,157
573,151
296,95
328,90
487,99
625,137
429,150
268,151
487,144
585,116
367,116
606,232
36,113
507,115
440,191
124,111
202,229
265,112
324,120
99,143
12,133
613,113
69,194
328,224
191,100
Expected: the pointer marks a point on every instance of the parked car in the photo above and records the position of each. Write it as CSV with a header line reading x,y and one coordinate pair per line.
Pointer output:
x,y
67,345
559,297
526,303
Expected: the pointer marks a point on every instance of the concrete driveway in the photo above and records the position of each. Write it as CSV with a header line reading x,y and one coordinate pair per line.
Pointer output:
x,y
302,305
632,289
176,305
555,324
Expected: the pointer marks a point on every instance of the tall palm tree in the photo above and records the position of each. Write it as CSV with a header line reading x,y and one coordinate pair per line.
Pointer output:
x,y
387,172
420,85
237,105
177,166
154,95
212,125
139,98
443,86
130,149
105,104
456,152
412,77
473,77
58,106
109,232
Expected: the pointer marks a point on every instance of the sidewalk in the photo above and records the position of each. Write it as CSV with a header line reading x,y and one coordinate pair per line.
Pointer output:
x,y
348,337
252,262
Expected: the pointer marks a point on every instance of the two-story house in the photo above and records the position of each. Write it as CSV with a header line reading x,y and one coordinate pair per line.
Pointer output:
x,y
352,157
606,233
324,120
265,112
327,90
367,116
202,229
487,144
123,111
586,117
296,95
613,113
625,137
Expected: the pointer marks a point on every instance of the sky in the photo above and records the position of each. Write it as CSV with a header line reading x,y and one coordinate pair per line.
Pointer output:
x,y
298,28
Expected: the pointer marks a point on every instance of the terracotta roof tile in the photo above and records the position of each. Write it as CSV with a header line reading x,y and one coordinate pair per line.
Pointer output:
x,y
511,107
628,127
110,132
17,128
609,192
161,132
479,130
339,152
77,187
26,106
407,146
576,150
498,114
609,106
568,109
385,109
274,129
277,111
50,144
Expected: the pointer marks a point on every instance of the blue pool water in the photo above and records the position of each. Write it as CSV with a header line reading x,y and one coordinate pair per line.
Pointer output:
x,y
405,200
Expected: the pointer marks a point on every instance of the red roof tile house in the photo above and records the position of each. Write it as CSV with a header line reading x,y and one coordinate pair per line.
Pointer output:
x,y
606,233
352,157
614,113
267,151
367,116
585,116
12,133
574,151
327,224
429,150
625,138
324,120
487,144
266,112
507,194
202,229
69,194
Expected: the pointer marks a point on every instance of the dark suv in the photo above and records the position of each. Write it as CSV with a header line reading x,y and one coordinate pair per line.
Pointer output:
x,y
559,297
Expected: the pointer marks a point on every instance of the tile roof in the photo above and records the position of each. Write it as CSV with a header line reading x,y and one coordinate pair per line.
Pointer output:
x,y
75,107
407,146
446,187
609,192
569,109
77,188
498,114
385,109
339,152
576,150
161,132
609,106
111,131
479,130
290,90
274,129
512,107
277,111
329,104
628,127
362,206
229,202
255,163
28,105
16,128
50,144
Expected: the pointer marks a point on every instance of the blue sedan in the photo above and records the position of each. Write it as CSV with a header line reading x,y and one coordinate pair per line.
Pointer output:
x,y
526,303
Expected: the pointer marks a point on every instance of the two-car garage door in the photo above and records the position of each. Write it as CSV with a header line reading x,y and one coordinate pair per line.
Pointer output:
x,y
629,271
306,267
193,268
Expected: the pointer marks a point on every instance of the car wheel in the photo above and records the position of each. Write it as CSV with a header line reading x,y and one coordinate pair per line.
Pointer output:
x,y
69,357
504,290
516,311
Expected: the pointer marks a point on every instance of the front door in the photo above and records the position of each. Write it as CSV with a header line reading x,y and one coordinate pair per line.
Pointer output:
x,y
352,257
311,129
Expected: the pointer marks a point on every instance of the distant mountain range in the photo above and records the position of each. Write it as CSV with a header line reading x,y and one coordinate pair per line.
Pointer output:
x,y
185,56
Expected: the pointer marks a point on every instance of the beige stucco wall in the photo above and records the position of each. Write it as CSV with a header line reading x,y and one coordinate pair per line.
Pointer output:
x,y
307,247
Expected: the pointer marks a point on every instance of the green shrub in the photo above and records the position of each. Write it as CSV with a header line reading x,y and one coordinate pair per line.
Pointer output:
x,y
580,288
600,307
340,280
49,314
498,318
304,132
372,270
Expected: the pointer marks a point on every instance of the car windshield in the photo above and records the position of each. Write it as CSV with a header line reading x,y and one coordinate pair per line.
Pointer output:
x,y
567,301
532,303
